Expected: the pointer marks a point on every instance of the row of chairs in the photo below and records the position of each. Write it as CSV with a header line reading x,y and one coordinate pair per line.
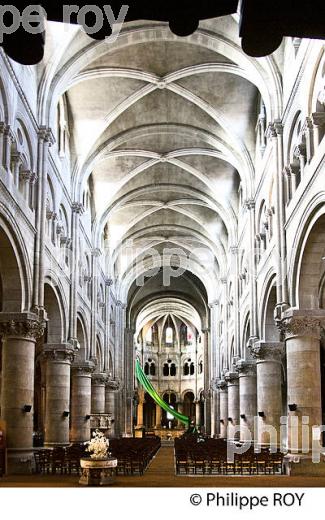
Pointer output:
x,y
63,460
210,457
134,455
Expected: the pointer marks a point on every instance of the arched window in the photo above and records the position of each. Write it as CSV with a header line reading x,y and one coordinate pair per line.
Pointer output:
x,y
186,369
200,367
152,369
149,335
166,369
192,369
173,369
169,335
146,368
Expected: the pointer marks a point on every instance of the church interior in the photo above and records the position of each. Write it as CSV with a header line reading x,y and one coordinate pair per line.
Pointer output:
x,y
162,258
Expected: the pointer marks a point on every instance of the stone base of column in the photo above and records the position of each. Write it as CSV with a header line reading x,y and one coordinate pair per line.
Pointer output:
x,y
303,465
20,461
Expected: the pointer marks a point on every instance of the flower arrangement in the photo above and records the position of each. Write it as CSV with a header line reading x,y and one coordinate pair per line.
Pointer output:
x,y
98,446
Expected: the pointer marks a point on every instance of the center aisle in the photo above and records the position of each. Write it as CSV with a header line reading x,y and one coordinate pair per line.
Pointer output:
x,y
161,473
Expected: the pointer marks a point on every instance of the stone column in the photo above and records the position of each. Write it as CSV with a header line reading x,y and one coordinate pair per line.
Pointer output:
x,y
247,398
207,381
250,206
2,129
8,140
318,119
308,130
233,405
81,401
19,333
140,410
301,329
77,210
110,392
223,400
58,364
98,393
269,394
158,416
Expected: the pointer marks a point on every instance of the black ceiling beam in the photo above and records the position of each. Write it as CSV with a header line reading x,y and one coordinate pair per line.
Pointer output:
x,y
263,23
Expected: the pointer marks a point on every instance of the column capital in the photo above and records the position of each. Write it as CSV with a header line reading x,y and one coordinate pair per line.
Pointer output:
x,y
249,204
83,368
61,352
112,384
46,134
318,118
24,325
267,350
300,150
299,322
121,304
96,252
221,384
213,304
308,125
9,133
278,127
271,131
231,377
99,378
108,282
78,208
234,250
2,127
246,368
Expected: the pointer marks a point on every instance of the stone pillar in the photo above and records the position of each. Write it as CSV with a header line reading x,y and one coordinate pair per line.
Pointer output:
x,y
308,130
2,129
207,381
269,394
81,401
233,405
19,333
250,206
301,330
77,210
8,140
98,393
223,400
158,416
58,364
318,119
110,392
247,398
140,410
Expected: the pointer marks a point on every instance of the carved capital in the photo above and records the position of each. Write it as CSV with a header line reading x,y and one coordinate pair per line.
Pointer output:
x,y
108,282
271,131
99,378
61,352
112,384
23,325
267,351
84,368
46,134
246,368
302,323
77,208
232,378
221,384
249,204
96,252
318,118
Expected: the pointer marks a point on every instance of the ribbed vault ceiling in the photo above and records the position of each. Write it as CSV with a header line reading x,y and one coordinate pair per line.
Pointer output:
x,y
163,131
